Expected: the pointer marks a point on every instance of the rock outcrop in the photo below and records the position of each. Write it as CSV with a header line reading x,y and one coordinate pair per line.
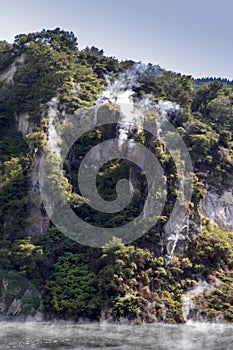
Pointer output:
x,y
219,208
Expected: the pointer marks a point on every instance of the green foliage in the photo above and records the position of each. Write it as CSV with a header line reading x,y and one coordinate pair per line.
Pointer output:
x,y
13,205
36,141
212,259
129,305
44,74
6,55
70,290
213,248
25,258
100,64
134,280
57,39
12,144
54,243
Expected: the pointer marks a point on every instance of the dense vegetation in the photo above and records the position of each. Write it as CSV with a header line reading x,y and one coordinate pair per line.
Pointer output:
x,y
199,81
64,279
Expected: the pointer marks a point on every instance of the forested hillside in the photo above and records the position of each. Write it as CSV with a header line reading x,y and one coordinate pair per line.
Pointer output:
x,y
42,269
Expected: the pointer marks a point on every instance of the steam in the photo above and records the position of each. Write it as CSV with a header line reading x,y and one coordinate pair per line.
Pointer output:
x,y
166,107
188,303
133,111
35,336
120,92
54,139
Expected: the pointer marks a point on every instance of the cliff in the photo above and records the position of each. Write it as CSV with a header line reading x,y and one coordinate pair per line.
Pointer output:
x,y
116,186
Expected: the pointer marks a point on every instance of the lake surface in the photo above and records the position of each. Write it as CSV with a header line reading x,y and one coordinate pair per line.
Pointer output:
x,y
41,335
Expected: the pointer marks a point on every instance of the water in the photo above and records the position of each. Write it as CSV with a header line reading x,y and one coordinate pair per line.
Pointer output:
x,y
45,336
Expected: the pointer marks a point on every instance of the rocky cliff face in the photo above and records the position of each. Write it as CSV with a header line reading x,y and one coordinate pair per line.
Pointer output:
x,y
18,297
8,74
23,124
219,208
38,221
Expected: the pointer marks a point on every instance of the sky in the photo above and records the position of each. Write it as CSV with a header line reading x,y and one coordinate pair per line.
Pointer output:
x,y
187,36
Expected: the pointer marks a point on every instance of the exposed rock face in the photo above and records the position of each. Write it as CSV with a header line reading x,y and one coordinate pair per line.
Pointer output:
x,y
219,208
14,308
23,123
8,75
38,221
18,297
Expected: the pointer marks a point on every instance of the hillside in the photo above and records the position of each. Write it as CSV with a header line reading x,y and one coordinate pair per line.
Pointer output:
x,y
57,103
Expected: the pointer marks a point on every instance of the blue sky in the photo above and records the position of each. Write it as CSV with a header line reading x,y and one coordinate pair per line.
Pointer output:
x,y
191,37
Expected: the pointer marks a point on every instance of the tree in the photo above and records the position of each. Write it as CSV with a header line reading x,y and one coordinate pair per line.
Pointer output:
x,y
71,290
